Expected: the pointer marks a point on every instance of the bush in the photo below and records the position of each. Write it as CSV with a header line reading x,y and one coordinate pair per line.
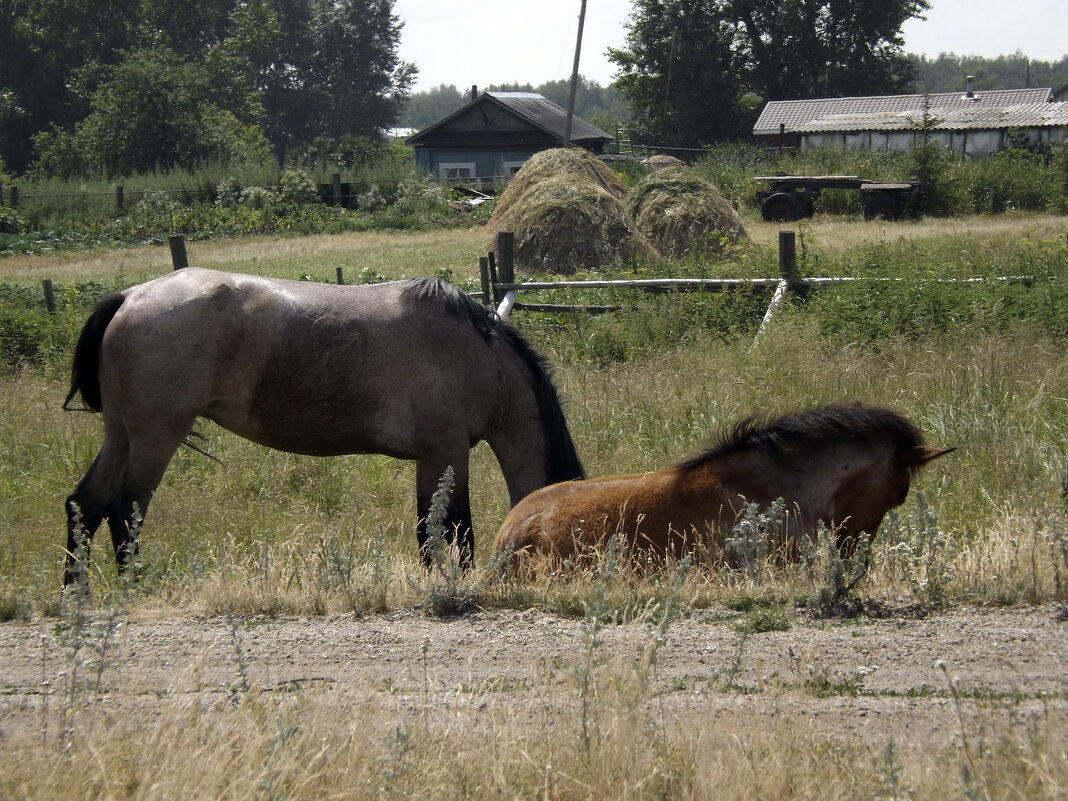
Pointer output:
x,y
298,188
11,222
1012,180
29,336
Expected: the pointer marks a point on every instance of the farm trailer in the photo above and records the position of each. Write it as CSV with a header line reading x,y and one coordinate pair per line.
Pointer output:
x,y
791,197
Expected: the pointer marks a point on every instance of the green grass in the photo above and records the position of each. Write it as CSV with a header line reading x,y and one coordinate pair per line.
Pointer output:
x,y
262,534
980,368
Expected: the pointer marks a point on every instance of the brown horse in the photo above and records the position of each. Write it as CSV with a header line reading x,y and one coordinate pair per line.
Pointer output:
x,y
411,369
844,465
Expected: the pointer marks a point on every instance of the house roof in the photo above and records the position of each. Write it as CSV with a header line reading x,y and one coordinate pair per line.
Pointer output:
x,y
533,109
797,113
1022,115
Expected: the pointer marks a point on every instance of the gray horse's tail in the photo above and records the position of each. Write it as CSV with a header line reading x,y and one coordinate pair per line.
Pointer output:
x,y
85,372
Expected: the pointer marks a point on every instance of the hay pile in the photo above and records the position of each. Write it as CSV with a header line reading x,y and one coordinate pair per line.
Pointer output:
x,y
566,210
662,161
568,223
682,214
564,207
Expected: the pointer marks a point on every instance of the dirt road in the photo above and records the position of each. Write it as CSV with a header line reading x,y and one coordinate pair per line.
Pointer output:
x,y
876,677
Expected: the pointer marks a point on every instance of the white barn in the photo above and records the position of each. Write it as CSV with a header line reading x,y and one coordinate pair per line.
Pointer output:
x,y
971,123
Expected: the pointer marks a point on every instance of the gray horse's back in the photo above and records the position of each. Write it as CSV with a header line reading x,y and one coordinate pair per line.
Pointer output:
x,y
300,366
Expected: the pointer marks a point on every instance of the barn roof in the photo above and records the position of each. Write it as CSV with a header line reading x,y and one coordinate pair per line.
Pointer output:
x,y
1022,115
531,108
798,115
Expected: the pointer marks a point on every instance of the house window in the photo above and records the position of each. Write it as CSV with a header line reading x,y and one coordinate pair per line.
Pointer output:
x,y
512,167
456,170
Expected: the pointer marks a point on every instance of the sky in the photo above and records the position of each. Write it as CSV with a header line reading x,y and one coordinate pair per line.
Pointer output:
x,y
480,42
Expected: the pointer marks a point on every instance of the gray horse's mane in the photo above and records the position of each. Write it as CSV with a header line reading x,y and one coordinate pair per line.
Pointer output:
x,y
563,460
785,436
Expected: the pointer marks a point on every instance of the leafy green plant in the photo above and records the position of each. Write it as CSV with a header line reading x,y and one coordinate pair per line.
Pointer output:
x,y
920,550
456,592
755,538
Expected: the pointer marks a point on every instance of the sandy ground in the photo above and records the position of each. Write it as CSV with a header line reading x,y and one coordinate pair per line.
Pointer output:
x,y
863,677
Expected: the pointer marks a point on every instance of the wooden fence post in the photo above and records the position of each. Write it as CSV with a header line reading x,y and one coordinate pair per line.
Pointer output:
x,y
484,278
178,257
340,277
506,271
505,256
120,200
787,256
493,279
788,279
50,295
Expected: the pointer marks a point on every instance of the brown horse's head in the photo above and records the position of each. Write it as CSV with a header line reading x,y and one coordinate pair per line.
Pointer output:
x,y
846,465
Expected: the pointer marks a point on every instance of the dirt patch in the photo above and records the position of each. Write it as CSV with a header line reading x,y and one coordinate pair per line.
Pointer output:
x,y
879,677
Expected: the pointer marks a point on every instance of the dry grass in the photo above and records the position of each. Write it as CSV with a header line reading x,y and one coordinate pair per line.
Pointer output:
x,y
389,255
553,163
681,214
593,731
564,207
566,223
837,234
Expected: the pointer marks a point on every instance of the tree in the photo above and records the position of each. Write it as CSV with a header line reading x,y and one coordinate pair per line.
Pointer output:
x,y
51,55
825,48
426,108
338,72
679,71
153,111
948,72
241,61
691,68
296,69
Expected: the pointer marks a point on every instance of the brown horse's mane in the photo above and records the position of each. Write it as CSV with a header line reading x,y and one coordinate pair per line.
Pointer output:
x,y
785,436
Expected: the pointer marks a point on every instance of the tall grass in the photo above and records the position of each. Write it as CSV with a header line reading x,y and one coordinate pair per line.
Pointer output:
x,y
248,532
264,533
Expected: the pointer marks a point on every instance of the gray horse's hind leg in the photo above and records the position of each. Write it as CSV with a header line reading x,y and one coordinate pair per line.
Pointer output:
x,y
87,506
145,465
457,520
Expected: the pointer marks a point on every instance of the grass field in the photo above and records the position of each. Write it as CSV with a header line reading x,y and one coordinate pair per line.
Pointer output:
x,y
260,532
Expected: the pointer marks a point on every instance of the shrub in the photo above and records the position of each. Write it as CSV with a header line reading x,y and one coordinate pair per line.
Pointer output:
x,y
11,222
298,188
1012,180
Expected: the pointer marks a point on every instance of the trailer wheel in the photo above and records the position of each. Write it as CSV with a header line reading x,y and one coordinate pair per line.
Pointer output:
x,y
781,207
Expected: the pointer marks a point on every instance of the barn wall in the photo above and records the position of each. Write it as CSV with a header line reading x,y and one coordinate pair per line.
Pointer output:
x,y
968,144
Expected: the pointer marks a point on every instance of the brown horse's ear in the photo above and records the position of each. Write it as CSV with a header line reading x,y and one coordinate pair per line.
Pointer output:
x,y
925,454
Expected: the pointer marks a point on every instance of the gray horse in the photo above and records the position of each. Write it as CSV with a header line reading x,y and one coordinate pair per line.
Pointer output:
x,y
411,369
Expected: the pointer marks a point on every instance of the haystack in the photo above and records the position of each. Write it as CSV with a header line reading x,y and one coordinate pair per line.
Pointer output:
x,y
680,213
568,223
551,163
662,161
564,209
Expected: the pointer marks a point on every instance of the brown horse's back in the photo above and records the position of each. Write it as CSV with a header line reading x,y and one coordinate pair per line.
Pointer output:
x,y
843,465
656,513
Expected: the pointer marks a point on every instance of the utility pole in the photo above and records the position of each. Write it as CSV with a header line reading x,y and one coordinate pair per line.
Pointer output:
x,y
574,78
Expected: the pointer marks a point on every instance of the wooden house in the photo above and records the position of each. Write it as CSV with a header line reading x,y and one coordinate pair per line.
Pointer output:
x,y
495,133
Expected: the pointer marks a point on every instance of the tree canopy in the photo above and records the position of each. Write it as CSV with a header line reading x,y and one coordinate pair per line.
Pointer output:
x,y
122,85
694,71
